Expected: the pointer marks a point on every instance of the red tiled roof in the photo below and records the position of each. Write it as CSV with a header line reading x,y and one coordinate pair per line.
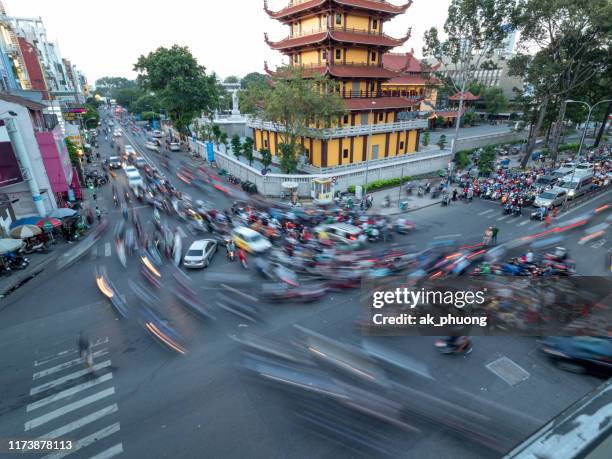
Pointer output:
x,y
382,103
358,71
467,96
404,61
414,79
337,35
447,113
372,5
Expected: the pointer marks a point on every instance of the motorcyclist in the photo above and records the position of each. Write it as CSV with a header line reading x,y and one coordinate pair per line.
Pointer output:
x,y
231,246
85,351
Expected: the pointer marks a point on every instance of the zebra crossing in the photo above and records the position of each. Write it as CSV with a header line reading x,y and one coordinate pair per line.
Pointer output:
x,y
68,402
493,214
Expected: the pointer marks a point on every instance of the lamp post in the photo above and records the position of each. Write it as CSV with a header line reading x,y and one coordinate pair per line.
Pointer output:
x,y
584,131
369,145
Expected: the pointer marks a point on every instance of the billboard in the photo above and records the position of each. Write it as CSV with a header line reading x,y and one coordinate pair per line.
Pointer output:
x,y
10,172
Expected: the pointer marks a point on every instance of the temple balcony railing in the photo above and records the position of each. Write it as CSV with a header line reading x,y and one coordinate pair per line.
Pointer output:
x,y
346,131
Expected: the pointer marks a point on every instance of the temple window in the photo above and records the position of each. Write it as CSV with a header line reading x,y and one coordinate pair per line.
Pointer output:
x,y
373,56
338,19
374,24
338,54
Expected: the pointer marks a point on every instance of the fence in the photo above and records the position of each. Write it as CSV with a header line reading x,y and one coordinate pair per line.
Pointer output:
x,y
271,183
469,143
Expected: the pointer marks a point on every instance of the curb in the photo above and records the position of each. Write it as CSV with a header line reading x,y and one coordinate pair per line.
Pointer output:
x,y
23,276
413,209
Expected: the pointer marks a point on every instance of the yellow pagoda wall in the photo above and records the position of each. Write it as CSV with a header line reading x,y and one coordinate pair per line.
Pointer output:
x,y
309,57
357,22
357,55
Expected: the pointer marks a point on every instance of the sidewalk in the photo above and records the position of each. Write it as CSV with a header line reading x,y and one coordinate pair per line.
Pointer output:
x,y
38,262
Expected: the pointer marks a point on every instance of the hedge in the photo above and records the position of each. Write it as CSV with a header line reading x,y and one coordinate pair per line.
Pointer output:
x,y
568,147
379,184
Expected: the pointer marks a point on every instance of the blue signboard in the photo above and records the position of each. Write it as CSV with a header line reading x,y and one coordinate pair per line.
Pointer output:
x,y
155,124
210,151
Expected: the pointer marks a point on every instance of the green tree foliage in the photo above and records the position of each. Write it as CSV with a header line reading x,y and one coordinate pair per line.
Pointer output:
x,y
288,160
236,146
181,84
106,86
232,79
247,149
149,116
127,96
469,117
462,160
224,141
425,139
72,151
294,104
266,157
486,160
253,78
91,117
439,121
565,47
145,103
473,31
441,142
494,100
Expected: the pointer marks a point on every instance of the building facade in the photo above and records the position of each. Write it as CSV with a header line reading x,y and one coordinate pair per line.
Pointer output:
x,y
345,40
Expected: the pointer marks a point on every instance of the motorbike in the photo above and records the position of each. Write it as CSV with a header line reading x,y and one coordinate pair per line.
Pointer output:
x,y
538,215
446,200
37,246
463,345
231,254
387,202
107,288
16,260
517,211
373,234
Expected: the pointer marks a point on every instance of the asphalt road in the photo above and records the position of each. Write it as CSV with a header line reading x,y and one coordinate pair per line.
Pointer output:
x,y
147,402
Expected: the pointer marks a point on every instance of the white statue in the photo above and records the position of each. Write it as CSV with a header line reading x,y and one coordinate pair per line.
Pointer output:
x,y
235,107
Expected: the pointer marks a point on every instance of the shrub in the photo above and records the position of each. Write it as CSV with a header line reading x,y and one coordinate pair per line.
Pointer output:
x,y
568,147
380,184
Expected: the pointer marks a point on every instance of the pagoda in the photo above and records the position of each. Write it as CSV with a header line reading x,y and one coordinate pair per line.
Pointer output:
x,y
345,40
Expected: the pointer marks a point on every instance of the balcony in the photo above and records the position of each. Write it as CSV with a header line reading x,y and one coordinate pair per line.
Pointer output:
x,y
349,131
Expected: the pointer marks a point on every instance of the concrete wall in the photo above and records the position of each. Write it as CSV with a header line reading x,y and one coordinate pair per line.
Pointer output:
x,y
270,184
468,143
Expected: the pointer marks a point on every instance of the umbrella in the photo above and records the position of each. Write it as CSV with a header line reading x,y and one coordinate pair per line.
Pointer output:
x,y
25,231
25,221
64,212
48,223
10,245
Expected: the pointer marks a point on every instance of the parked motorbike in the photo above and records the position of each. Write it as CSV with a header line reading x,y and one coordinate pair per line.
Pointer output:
x,y
463,345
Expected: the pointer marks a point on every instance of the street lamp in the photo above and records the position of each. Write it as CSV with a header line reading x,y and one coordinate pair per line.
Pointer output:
x,y
584,131
369,145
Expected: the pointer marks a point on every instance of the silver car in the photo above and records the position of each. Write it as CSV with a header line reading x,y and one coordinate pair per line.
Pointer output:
x,y
200,253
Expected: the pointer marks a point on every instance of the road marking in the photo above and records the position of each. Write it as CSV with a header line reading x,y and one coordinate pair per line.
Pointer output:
x,y
523,223
181,231
69,392
107,249
63,366
502,218
74,425
486,212
447,236
71,376
508,370
86,441
110,452
94,252
32,424
66,352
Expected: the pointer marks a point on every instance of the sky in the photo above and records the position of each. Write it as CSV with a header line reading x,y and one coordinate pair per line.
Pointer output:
x,y
226,36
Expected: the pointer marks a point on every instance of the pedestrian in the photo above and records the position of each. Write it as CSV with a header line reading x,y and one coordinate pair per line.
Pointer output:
x,y
98,213
547,220
488,234
494,232
555,212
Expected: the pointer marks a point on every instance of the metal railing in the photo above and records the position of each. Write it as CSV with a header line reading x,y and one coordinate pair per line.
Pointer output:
x,y
331,133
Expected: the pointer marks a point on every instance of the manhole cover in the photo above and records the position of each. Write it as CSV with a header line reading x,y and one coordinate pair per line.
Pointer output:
x,y
507,370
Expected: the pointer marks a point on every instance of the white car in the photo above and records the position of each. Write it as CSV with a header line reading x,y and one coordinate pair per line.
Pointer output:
x,y
200,253
129,150
117,133
140,162
175,146
130,169
152,146
157,133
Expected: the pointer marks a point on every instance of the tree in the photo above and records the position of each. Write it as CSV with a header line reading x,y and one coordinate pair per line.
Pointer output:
x,y
247,149
441,142
462,160
266,157
232,79
439,121
145,103
223,141
494,100
128,95
106,86
288,160
474,29
236,146
253,78
182,85
564,46
72,151
216,134
149,116
425,139
469,117
294,104
486,159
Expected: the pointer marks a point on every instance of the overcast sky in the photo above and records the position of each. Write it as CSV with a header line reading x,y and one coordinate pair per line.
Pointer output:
x,y
226,36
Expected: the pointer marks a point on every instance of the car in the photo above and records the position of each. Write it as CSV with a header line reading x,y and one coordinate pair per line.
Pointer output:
x,y
134,180
114,162
130,169
200,253
546,181
551,198
117,133
152,146
129,150
175,146
250,240
580,354
157,133
140,162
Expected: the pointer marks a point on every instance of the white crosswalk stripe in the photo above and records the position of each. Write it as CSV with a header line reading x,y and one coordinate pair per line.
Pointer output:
x,y
181,231
84,412
107,249
94,252
502,218
523,223
485,212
